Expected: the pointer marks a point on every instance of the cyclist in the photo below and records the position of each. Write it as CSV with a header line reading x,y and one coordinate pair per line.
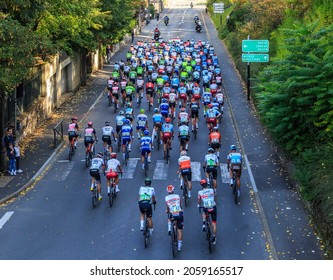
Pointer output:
x,y
175,212
235,164
207,99
214,141
129,112
139,88
129,92
164,108
141,123
113,167
107,131
172,103
150,90
184,135
89,132
120,120
210,165
146,198
167,133
212,115
194,107
145,146
96,164
184,170
206,198
115,93
126,136
183,116
157,122
182,95
73,130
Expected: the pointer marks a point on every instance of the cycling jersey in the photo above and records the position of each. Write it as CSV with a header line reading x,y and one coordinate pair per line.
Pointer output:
x,y
167,128
184,162
164,109
172,98
107,130
141,120
235,158
112,165
126,132
145,144
215,137
96,163
173,203
183,117
175,82
207,197
129,113
207,97
146,193
184,131
211,160
120,120
212,113
139,70
72,127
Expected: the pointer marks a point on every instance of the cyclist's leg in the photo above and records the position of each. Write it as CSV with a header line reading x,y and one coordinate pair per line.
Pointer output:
x,y
214,217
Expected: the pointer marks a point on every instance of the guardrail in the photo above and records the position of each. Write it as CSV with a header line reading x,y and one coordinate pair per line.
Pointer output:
x,y
58,133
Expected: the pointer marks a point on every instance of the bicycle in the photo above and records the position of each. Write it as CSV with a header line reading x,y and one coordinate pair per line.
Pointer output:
x,y
125,162
185,189
94,196
113,194
167,154
235,191
158,138
106,154
71,151
146,164
119,142
174,236
146,233
208,229
90,153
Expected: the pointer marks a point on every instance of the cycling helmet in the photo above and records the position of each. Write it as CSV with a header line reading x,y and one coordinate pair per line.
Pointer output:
x,y
193,100
196,84
127,121
128,104
233,147
146,132
168,120
147,182
99,155
183,153
164,100
74,118
156,110
181,84
210,105
121,113
170,189
167,84
182,109
210,150
142,111
215,128
107,123
203,183
90,124
113,155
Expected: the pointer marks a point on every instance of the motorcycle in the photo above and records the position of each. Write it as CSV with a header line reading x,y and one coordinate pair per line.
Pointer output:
x,y
198,28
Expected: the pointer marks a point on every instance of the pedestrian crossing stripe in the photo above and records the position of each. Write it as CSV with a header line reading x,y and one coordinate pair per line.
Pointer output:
x,y
161,170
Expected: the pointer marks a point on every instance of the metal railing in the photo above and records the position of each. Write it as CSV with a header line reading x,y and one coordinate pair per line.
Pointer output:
x,y
58,134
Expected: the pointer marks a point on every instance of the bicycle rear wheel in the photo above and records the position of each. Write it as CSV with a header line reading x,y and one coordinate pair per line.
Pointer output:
x,y
158,140
87,159
146,233
185,192
235,192
111,197
70,153
209,236
94,197
146,166
173,242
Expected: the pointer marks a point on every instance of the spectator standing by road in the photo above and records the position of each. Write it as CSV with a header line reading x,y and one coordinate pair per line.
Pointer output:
x,y
108,54
132,34
17,156
11,156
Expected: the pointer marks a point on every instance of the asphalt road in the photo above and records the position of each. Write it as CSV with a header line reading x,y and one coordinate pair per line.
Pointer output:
x,y
55,219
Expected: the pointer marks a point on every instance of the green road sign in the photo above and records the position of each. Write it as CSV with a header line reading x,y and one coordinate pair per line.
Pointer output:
x,y
255,46
255,57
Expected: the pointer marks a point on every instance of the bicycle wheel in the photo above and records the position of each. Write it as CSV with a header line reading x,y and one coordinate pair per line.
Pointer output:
x,y
115,106
167,155
208,235
158,140
235,193
94,197
119,143
111,196
146,166
173,241
87,159
185,192
70,153
146,233
110,101
195,132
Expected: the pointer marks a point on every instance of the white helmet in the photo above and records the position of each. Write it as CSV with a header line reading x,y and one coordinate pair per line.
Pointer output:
x,y
183,153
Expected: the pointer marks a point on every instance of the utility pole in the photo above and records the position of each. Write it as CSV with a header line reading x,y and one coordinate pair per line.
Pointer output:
x,y
148,12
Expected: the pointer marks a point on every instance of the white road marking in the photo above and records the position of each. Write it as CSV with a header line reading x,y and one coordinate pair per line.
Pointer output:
x,y
69,169
253,182
225,175
196,171
128,171
5,218
63,160
161,170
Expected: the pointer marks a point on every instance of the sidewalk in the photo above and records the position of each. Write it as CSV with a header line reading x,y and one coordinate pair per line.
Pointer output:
x,y
37,150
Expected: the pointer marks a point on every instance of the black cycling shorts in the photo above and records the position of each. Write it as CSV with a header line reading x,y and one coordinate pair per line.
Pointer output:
x,y
212,211
194,114
187,173
179,218
145,206
107,139
95,174
212,169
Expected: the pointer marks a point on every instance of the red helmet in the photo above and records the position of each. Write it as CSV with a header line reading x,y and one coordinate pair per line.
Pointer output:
x,y
181,84
74,118
210,105
196,85
168,120
113,155
203,182
182,109
170,188
167,84
193,100
90,123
